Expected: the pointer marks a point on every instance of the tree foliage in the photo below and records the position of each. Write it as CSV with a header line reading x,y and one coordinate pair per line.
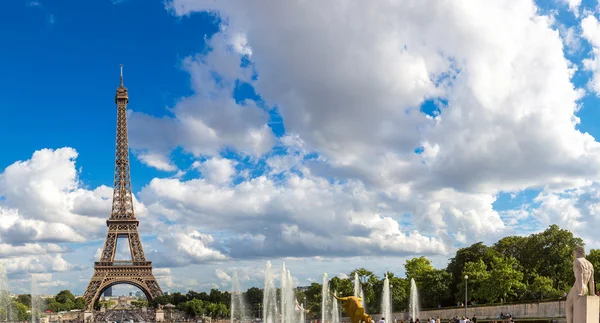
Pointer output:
x,y
515,268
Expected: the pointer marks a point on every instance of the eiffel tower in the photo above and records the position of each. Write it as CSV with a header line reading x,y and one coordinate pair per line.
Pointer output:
x,y
122,224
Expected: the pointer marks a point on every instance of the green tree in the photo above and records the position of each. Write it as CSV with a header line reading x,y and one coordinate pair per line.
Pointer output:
x,y
478,276
254,297
20,311
162,300
432,283
24,299
222,310
550,254
193,308
435,288
542,288
473,253
178,298
399,288
55,306
314,297
594,258
417,267
504,280
343,287
65,295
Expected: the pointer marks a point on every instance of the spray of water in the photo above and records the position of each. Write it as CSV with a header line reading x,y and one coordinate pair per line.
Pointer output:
x,y
325,301
358,291
36,301
413,304
386,300
335,311
238,304
270,314
288,297
6,309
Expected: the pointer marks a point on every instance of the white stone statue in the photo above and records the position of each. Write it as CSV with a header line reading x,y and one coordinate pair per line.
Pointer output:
x,y
584,280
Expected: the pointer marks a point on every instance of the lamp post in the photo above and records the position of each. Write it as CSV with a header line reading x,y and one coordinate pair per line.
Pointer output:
x,y
466,291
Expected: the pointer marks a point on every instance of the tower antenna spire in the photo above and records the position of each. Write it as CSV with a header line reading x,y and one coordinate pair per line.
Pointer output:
x,y
121,74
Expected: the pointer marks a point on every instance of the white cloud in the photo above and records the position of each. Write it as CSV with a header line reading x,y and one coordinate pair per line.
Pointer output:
x,y
44,205
210,120
303,216
577,210
185,245
217,170
591,33
573,6
348,183
510,120
9,251
37,264
222,275
351,95
157,161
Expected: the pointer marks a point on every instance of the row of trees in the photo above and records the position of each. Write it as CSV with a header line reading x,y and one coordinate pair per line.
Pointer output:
x,y
20,307
516,268
214,304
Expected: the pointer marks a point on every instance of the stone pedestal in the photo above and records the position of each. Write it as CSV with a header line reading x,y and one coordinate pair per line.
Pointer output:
x,y
586,309
144,309
160,316
88,316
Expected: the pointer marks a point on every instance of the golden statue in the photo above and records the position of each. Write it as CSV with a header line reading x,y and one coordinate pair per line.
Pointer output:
x,y
354,309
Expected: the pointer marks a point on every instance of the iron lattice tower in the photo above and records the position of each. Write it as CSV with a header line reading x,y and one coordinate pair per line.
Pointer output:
x,y
122,224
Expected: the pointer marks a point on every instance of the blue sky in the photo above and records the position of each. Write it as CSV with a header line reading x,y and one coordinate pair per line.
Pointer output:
x,y
268,132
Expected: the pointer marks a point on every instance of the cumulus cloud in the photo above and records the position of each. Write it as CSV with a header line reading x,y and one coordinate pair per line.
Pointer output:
x,y
365,167
304,216
591,33
210,120
38,264
353,93
45,205
577,210
217,170
182,245
505,122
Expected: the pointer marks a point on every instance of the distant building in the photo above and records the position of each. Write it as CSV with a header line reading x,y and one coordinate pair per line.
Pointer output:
x,y
167,293
108,292
302,288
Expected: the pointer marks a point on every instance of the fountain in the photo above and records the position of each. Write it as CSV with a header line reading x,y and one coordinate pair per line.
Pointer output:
x,y
287,310
302,318
335,311
358,291
36,301
386,300
326,301
6,310
288,297
270,314
413,304
238,304
356,285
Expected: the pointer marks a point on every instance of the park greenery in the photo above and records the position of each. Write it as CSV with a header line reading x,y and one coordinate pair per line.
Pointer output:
x,y
514,269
